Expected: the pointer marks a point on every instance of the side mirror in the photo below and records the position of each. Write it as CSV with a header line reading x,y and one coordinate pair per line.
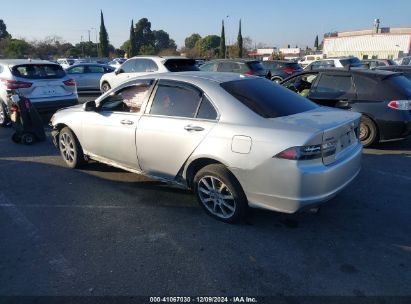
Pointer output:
x,y
89,106
119,71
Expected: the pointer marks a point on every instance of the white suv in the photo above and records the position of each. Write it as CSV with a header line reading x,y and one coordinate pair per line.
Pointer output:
x,y
43,82
143,65
329,63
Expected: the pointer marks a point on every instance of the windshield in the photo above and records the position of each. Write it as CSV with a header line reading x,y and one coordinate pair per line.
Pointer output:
x,y
267,99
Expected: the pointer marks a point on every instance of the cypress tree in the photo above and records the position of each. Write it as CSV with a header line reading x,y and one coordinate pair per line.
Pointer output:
x,y
103,50
316,42
222,42
240,43
132,51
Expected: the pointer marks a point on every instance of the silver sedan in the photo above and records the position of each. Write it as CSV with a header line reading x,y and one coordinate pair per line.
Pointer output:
x,y
237,141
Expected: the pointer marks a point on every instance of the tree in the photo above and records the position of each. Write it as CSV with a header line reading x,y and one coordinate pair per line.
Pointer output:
x,y
208,46
240,43
15,48
162,41
316,42
3,30
222,42
144,35
104,48
131,48
191,41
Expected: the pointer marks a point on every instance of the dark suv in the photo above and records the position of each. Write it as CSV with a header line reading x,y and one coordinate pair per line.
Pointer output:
x,y
281,69
242,66
383,97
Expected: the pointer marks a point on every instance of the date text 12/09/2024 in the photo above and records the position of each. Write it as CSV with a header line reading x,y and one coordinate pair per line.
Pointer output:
x,y
203,300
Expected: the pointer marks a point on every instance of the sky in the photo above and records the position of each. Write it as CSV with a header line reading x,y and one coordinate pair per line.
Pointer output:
x,y
266,22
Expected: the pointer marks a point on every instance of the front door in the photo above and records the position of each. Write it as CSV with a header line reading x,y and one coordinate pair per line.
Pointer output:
x,y
110,132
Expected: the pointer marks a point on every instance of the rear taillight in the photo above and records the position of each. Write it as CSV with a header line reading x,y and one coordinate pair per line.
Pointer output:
x,y
308,152
400,104
249,73
70,82
288,71
15,85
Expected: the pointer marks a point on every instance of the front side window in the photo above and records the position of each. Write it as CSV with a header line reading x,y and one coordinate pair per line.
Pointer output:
x,y
209,67
128,99
176,100
76,70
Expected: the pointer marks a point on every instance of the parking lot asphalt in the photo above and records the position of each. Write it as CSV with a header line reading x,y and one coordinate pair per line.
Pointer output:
x,y
103,231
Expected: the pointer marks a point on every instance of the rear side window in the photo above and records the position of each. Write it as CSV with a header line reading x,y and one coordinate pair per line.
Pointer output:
x,y
181,65
38,71
376,89
267,99
95,69
206,110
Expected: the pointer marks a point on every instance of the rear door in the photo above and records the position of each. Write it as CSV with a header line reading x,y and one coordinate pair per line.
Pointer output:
x,y
178,119
78,74
94,73
333,90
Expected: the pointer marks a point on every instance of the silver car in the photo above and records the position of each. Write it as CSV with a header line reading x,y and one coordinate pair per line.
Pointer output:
x,y
88,75
43,82
235,140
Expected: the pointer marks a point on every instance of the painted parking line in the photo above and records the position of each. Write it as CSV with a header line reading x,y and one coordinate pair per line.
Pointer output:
x,y
401,176
55,259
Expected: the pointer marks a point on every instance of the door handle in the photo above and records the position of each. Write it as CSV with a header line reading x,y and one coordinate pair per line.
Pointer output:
x,y
126,122
193,128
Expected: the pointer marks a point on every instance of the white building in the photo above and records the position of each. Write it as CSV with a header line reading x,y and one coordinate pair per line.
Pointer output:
x,y
291,53
383,43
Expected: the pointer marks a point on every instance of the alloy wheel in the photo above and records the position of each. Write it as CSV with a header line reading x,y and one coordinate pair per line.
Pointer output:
x,y
67,147
216,197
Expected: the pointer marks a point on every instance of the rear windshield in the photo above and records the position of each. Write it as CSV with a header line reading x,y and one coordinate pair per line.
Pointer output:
x,y
181,65
267,99
390,88
255,66
38,71
354,62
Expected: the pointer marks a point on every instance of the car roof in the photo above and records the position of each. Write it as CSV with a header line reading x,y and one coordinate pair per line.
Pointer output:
x,y
395,67
364,72
88,63
234,60
13,62
160,57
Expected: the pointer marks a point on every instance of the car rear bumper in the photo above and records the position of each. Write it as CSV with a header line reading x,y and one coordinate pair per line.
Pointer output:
x,y
395,129
288,186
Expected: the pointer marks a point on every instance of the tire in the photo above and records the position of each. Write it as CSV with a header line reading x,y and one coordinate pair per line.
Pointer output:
x,y
4,118
27,139
368,131
105,87
70,148
220,194
276,79
15,138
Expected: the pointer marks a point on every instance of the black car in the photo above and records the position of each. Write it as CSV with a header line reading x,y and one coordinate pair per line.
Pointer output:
x,y
404,69
281,69
383,97
242,66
